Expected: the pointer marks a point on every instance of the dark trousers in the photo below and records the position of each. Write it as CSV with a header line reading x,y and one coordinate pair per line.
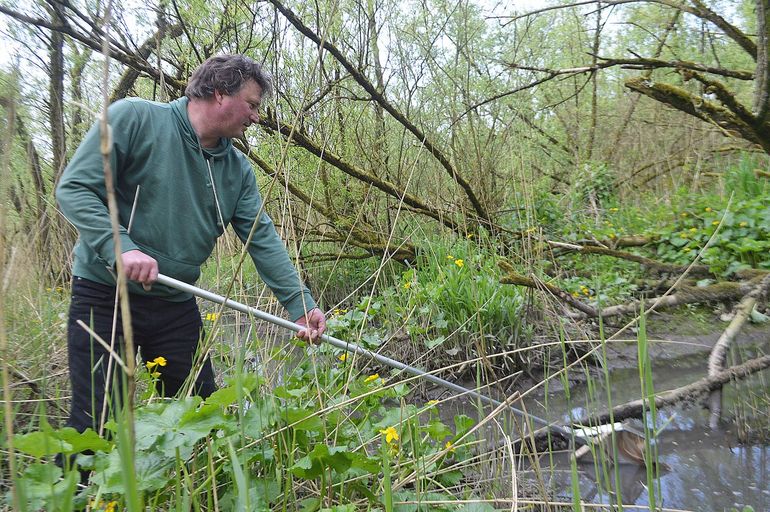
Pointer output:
x,y
161,328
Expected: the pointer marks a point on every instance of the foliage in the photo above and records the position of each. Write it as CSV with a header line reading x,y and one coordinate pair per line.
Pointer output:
x,y
735,228
263,447
450,304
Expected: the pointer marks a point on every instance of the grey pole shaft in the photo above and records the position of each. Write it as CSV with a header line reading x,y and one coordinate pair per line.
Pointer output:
x,y
352,347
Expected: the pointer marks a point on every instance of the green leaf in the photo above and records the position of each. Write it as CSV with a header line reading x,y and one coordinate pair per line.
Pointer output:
x,y
44,488
223,397
259,417
304,419
153,471
435,342
323,457
438,431
66,440
310,504
340,508
463,424
40,444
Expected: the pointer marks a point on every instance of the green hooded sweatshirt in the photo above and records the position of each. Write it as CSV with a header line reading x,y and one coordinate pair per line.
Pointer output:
x,y
161,172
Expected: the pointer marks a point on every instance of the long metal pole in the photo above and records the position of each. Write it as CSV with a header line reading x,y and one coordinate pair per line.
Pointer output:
x,y
352,347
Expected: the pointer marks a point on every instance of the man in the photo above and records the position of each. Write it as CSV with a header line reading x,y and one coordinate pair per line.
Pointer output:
x,y
179,182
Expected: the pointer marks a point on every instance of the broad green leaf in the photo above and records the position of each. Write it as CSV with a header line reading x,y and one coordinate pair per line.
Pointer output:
x,y
304,419
44,488
438,430
40,444
463,424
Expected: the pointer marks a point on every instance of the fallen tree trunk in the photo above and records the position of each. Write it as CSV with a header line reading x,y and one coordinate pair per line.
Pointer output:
x,y
690,392
655,266
718,354
725,291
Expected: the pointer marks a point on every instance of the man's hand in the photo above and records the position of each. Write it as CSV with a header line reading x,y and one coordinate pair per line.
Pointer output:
x,y
315,321
140,267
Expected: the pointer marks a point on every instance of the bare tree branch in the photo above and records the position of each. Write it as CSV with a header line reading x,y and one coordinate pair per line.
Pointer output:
x,y
392,110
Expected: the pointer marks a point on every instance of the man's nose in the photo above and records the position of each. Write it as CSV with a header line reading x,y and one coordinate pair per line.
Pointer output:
x,y
254,117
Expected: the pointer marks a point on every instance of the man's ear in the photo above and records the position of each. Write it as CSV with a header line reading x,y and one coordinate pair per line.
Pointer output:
x,y
218,95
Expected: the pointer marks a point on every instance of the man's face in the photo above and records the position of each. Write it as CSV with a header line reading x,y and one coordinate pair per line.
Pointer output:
x,y
240,110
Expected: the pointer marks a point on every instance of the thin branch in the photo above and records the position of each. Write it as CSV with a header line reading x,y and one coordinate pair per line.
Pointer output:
x,y
392,110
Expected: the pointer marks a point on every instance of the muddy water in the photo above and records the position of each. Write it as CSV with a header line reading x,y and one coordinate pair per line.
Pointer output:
x,y
707,470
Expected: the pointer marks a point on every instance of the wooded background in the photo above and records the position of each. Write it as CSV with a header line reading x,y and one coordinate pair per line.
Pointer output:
x,y
392,120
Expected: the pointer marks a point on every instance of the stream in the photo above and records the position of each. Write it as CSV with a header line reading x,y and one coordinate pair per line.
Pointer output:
x,y
706,470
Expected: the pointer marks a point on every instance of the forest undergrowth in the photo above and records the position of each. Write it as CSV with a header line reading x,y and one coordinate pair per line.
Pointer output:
x,y
315,428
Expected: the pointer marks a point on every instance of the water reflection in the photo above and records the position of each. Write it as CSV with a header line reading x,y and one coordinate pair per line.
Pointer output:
x,y
708,470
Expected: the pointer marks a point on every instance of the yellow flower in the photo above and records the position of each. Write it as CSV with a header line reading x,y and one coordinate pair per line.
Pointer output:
x,y
612,235
743,224
343,357
469,236
155,375
407,285
450,257
460,263
371,378
111,507
212,317
431,403
715,223
683,235
575,294
158,361
687,249
613,209
683,214
693,230
390,434
449,447
708,209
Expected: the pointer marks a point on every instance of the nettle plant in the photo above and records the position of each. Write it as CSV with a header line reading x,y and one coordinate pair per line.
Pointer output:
x,y
325,437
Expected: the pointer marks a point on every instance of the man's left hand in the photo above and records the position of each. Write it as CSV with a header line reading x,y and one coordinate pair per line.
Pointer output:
x,y
315,323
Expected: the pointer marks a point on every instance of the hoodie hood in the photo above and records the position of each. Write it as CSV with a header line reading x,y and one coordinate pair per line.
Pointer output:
x,y
179,108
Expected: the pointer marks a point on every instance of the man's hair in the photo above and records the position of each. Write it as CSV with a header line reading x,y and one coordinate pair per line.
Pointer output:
x,y
227,74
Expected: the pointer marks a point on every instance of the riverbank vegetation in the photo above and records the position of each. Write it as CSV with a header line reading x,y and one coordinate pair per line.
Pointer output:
x,y
485,193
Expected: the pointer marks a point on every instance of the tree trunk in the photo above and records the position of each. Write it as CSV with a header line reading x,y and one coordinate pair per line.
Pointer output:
x,y
56,97
762,76
718,354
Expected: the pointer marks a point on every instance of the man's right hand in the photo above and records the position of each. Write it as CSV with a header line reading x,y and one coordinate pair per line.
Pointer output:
x,y
140,267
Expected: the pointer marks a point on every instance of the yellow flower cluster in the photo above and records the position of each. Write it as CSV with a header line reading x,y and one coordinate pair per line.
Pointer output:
x,y
111,506
338,312
212,317
152,366
371,378
460,263
407,285
584,290
342,357
390,434
449,447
